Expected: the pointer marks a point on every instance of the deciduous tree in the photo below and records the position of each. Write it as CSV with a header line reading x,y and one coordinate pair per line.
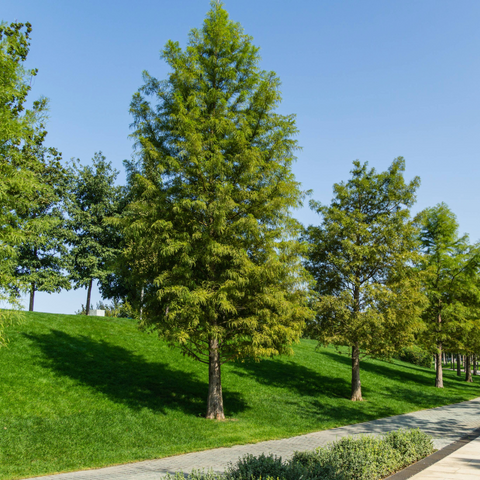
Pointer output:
x,y
210,233
94,241
40,260
451,267
361,256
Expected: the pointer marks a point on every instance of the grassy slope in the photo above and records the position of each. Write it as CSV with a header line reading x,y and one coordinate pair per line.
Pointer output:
x,y
80,392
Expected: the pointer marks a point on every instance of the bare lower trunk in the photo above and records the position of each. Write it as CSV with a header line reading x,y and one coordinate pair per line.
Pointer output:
x,y
459,366
356,384
215,397
32,297
89,296
439,372
474,365
142,292
468,369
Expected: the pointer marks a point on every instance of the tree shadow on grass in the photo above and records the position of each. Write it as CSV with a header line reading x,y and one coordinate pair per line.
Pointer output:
x,y
125,377
295,377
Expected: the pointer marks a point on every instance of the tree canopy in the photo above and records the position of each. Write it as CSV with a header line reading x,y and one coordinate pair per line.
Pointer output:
x,y
209,233
94,242
451,283
368,296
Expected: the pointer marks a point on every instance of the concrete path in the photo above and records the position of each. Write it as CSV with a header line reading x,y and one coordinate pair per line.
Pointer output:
x,y
464,464
445,424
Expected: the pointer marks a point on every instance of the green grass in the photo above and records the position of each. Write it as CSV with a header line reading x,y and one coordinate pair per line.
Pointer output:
x,y
81,392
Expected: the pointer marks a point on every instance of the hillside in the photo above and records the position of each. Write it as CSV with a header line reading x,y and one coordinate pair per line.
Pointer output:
x,y
80,392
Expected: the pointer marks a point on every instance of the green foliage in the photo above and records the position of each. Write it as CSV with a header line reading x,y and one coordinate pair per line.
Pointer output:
x,y
209,232
416,355
21,132
362,458
41,257
129,397
94,198
452,284
368,296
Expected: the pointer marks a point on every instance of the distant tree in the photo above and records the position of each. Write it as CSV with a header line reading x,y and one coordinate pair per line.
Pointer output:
x,y
451,267
209,233
94,242
361,256
41,256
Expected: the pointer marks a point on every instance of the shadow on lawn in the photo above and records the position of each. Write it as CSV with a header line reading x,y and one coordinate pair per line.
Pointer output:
x,y
125,377
295,377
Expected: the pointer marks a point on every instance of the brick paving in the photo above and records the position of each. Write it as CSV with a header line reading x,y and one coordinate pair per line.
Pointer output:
x,y
446,425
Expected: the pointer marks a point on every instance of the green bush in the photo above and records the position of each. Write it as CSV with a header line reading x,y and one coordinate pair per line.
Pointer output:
x,y
362,458
416,355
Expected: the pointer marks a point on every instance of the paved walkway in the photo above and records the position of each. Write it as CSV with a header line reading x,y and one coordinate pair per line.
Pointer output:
x,y
445,424
464,464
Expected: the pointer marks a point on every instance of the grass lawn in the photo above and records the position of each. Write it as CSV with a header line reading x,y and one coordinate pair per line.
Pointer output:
x,y
79,392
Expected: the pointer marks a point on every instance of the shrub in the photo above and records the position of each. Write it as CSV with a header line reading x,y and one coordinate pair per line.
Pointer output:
x,y
362,458
416,355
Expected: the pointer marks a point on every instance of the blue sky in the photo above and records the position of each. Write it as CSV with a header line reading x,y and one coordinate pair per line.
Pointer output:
x,y
368,80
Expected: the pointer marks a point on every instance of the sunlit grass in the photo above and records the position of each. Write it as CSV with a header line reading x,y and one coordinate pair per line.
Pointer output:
x,y
81,392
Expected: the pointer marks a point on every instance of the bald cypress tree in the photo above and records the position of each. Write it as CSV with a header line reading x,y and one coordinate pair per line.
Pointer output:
x,y
362,256
209,233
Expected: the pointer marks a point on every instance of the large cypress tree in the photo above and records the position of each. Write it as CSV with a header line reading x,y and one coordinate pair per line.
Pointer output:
x,y
209,233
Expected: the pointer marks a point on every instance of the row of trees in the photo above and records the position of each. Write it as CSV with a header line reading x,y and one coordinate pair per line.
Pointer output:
x,y
52,230
203,244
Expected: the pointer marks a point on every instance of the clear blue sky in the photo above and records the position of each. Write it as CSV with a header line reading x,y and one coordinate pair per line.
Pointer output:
x,y
368,80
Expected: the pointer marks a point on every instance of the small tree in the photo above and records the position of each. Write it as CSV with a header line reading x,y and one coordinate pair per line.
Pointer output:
x,y
210,233
361,256
451,283
94,242
41,256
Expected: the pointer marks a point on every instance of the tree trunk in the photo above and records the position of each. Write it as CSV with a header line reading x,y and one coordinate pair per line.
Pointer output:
x,y
215,397
142,292
459,366
474,365
468,369
356,384
32,297
439,373
89,296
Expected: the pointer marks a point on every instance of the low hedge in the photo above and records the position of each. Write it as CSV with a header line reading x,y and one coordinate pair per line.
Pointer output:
x,y
362,458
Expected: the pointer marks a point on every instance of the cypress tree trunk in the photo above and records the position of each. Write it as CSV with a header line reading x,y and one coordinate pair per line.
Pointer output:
x,y
459,366
439,372
356,384
32,297
468,369
89,296
215,397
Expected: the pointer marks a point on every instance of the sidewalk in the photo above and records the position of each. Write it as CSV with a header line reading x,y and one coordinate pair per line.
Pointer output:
x,y
464,464
446,425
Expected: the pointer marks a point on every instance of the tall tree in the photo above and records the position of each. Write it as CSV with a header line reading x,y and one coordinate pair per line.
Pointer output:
x,y
361,256
94,241
20,128
41,256
451,267
210,233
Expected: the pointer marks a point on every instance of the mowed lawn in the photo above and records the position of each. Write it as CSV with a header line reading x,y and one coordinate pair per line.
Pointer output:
x,y
79,392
